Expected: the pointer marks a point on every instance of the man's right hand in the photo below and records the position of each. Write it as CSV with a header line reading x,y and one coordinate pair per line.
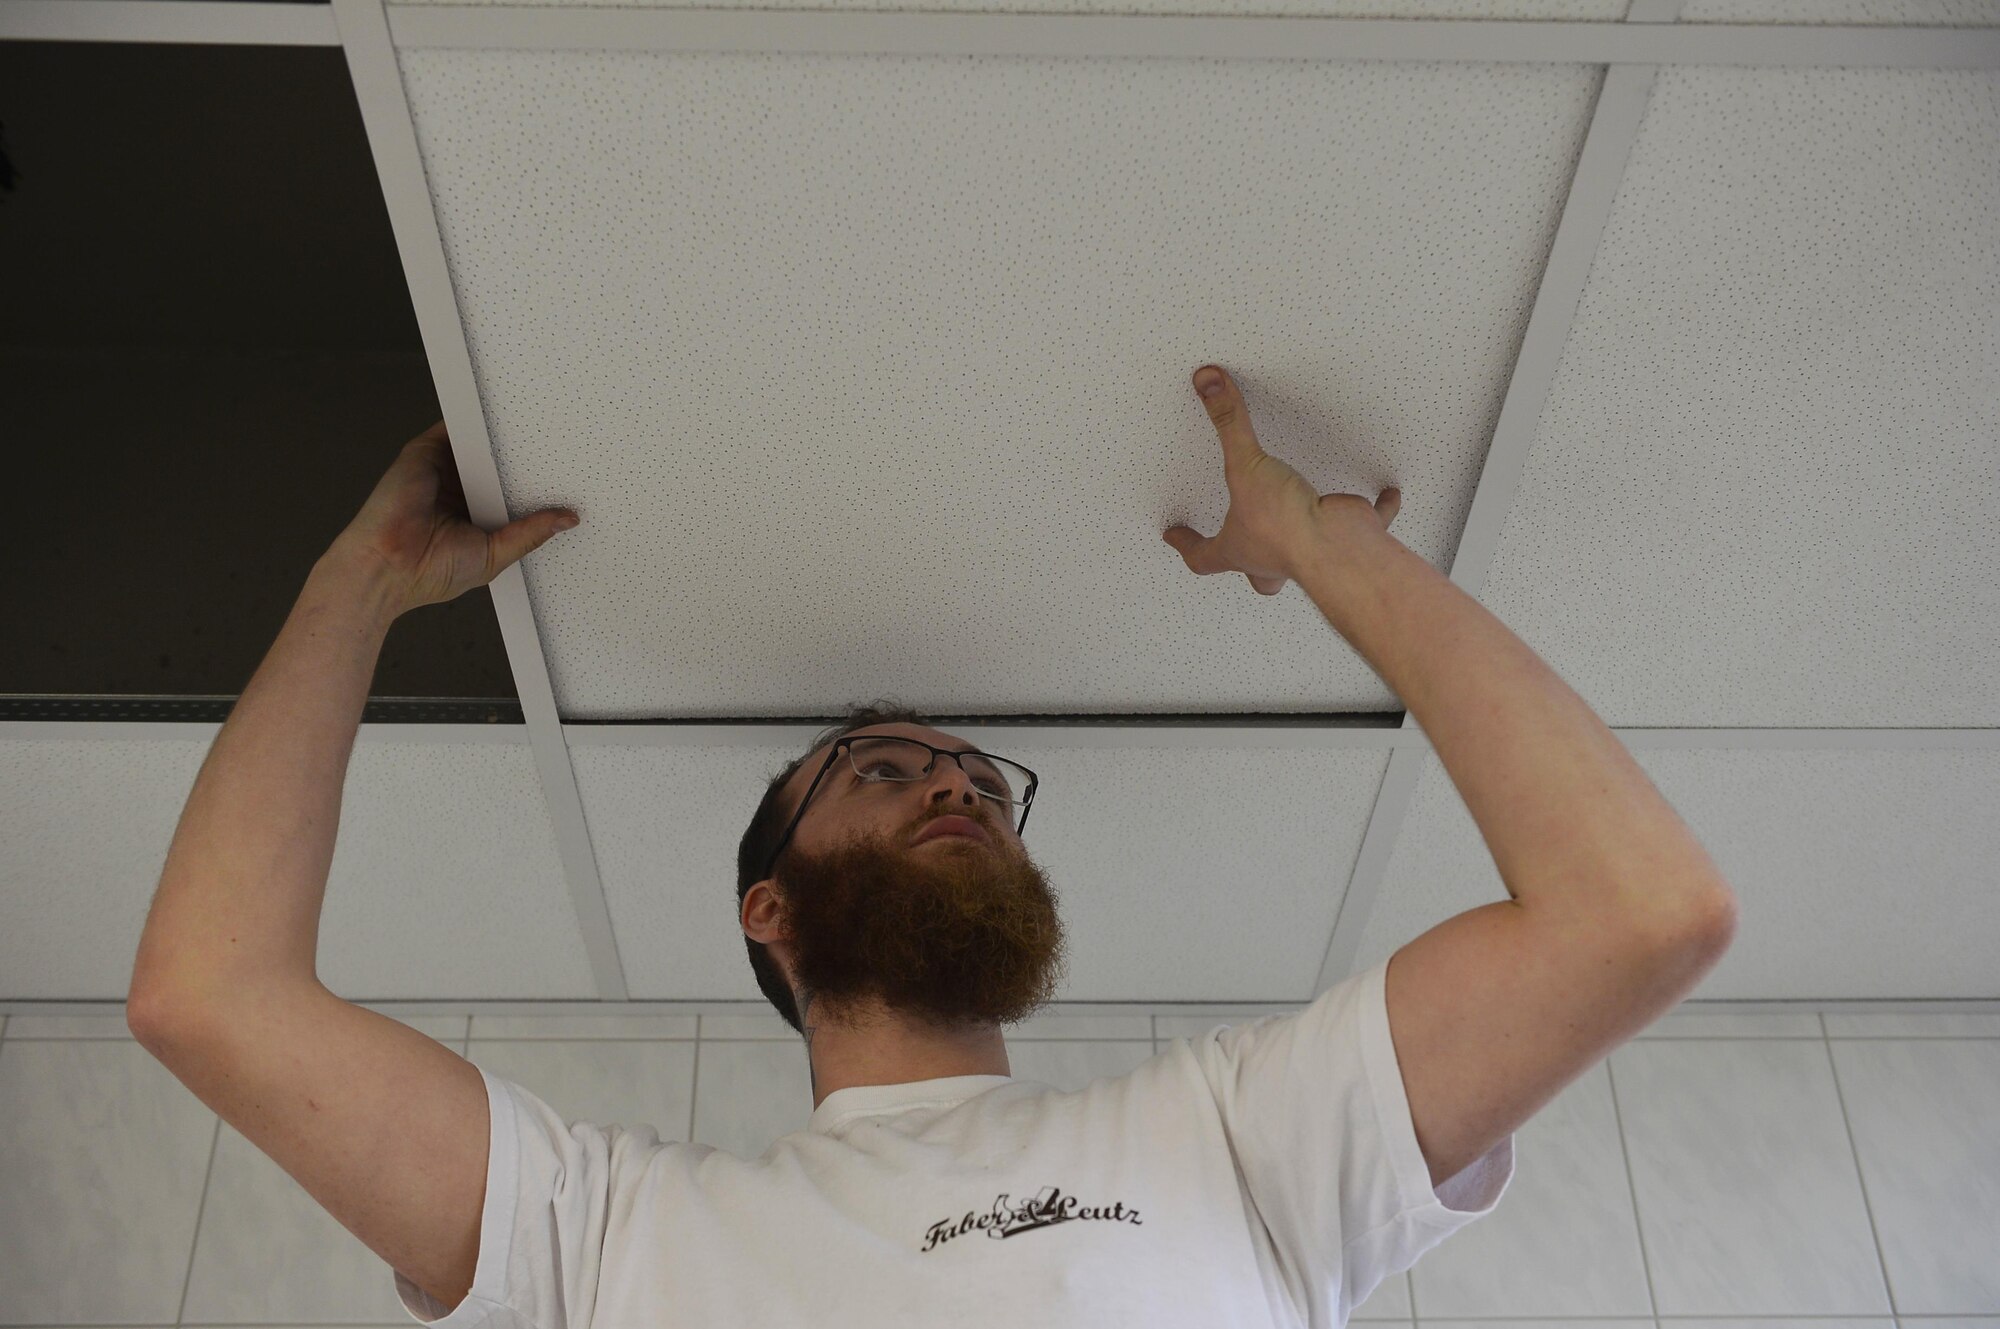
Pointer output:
x,y
417,526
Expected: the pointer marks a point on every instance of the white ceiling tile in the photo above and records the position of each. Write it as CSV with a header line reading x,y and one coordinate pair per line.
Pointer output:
x,y
1762,490
1846,13
855,366
1858,875
444,881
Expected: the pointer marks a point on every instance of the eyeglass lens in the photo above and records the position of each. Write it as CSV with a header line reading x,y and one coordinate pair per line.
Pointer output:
x,y
899,759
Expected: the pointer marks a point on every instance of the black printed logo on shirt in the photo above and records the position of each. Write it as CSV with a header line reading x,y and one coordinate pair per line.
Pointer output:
x,y
1048,1209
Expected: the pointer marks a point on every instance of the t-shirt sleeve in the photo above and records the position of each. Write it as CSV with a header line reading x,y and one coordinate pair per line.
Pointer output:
x,y
541,1231
1314,1108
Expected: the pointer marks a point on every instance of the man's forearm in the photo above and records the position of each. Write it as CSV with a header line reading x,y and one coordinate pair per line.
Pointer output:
x,y
239,898
1571,820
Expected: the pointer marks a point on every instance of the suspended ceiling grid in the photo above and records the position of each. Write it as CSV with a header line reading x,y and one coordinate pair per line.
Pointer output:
x,y
540,322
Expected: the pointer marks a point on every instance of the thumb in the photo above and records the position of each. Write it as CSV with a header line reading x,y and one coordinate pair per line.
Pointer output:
x,y
1190,544
517,539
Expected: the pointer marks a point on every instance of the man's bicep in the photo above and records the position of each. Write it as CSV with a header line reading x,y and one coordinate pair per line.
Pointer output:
x,y
1495,1011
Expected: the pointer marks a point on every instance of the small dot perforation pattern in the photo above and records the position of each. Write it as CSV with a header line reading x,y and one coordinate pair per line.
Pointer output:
x,y
828,349
1761,491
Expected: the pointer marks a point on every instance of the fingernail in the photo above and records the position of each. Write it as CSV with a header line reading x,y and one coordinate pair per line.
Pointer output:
x,y
1209,386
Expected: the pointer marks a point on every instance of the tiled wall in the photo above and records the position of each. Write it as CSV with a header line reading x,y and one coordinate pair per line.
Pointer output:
x,y
1739,1169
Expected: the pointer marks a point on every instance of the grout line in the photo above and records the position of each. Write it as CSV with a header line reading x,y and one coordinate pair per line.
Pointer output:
x,y
1854,1152
1632,1189
201,1208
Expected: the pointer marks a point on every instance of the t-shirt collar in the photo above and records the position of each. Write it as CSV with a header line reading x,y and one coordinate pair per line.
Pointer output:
x,y
863,1099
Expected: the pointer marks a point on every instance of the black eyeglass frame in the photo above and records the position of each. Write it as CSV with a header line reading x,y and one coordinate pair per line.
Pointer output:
x,y
840,745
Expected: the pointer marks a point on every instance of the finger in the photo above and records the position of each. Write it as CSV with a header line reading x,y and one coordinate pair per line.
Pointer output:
x,y
1389,502
517,539
1230,414
1191,546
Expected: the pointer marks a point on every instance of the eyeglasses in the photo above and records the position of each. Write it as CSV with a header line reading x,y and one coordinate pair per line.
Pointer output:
x,y
1006,786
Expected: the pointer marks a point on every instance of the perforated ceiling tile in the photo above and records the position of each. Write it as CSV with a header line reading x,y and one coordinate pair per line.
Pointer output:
x,y
1762,490
444,881
1208,874
870,375
1847,13
1858,875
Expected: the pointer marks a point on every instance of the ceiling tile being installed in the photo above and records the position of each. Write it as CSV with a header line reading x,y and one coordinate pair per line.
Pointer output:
x,y
833,352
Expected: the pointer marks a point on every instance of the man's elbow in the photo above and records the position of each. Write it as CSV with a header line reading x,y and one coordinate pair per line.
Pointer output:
x,y
1706,919
1715,921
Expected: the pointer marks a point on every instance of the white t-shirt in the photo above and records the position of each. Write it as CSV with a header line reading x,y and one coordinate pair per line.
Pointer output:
x,y
1263,1174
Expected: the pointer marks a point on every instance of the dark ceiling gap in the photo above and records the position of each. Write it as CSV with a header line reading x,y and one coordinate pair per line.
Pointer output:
x,y
208,358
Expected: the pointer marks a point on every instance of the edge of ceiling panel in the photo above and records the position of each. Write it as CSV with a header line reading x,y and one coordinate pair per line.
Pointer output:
x,y
1641,38
406,195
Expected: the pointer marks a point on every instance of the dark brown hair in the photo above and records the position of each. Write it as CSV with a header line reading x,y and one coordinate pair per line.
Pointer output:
x,y
769,823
